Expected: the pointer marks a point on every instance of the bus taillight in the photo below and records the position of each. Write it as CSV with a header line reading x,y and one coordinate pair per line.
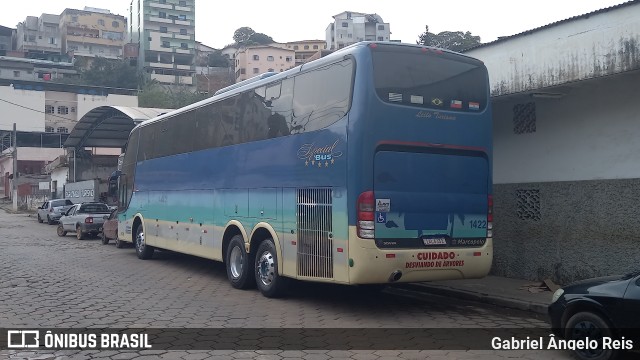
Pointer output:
x,y
490,216
88,220
366,211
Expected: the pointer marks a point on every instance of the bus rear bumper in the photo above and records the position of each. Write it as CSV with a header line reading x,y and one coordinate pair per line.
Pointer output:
x,y
371,265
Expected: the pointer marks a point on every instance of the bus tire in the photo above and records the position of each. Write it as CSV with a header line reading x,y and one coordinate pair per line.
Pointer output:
x,y
269,281
143,250
238,264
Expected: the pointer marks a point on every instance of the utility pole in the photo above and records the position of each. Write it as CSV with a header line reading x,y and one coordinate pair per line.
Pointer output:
x,y
14,153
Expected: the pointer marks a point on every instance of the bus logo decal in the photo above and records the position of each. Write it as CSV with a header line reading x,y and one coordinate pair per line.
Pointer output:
x,y
320,156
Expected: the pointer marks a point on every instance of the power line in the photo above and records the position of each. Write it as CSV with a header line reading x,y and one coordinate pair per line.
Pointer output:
x,y
39,111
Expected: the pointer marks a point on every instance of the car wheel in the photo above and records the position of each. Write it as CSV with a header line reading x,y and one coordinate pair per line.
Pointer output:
x,y
143,250
61,231
104,238
238,264
40,219
49,221
269,281
119,243
79,233
585,325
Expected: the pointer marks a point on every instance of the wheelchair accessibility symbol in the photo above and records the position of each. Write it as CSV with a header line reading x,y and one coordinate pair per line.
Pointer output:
x,y
381,217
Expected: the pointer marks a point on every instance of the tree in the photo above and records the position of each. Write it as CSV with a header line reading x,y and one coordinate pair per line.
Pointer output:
x,y
111,73
247,36
261,39
451,40
243,34
217,59
156,96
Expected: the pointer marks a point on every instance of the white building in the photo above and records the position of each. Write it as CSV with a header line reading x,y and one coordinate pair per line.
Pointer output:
x,y
351,27
39,34
566,167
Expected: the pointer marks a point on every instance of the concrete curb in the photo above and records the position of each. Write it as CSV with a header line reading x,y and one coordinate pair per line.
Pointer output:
x,y
519,304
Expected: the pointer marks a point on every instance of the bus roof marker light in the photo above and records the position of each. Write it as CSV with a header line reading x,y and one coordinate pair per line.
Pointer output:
x,y
373,45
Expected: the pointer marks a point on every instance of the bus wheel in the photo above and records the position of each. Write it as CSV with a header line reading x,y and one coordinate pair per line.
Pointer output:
x,y
238,264
270,283
143,250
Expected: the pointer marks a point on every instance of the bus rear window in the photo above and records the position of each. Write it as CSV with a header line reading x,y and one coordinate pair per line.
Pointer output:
x,y
429,79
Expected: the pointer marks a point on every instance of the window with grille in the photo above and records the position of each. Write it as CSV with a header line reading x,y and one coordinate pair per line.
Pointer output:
x,y
49,109
63,110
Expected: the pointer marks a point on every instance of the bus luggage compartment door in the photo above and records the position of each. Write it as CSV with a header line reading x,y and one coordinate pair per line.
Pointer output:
x,y
432,198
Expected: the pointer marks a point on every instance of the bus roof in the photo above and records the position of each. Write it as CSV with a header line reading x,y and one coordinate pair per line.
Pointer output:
x,y
269,77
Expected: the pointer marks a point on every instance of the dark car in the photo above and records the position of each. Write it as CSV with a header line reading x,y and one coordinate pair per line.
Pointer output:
x,y
110,229
606,307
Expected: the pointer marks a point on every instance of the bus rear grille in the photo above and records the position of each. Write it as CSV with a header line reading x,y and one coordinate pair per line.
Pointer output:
x,y
314,223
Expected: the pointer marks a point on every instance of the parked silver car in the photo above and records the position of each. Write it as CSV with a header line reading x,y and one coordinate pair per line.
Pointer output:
x,y
51,211
85,218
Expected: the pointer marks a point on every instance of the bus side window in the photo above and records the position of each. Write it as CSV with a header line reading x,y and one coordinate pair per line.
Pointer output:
x,y
322,96
281,101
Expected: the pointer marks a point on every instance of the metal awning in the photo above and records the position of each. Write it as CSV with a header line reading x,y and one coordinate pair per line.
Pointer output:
x,y
109,126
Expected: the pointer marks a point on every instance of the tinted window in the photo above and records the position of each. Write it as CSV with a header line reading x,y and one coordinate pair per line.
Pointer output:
x,y
56,203
429,79
215,125
148,138
321,97
125,182
93,208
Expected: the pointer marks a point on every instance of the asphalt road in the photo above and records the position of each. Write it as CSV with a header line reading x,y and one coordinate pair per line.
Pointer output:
x,y
49,282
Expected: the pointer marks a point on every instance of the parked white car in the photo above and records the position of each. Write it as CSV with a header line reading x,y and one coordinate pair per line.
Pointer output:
x,y
83,219
51,211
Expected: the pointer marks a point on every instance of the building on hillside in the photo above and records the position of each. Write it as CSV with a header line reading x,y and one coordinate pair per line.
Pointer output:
x,y
305,49
14,65
164,32
566,168
202,54
351,27
92,32
230,52
38,37
211,79
255,60
6,39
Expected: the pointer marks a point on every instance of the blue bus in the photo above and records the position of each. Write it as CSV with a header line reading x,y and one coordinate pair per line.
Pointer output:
x,y
371,165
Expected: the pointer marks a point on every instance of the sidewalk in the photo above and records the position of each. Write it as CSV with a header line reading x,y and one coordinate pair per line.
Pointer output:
x,y
511,293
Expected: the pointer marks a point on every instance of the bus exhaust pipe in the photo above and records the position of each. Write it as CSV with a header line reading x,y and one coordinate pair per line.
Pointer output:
x,y
395,276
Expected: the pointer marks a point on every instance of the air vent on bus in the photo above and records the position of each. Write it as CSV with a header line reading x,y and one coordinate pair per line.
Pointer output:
x,y
314,223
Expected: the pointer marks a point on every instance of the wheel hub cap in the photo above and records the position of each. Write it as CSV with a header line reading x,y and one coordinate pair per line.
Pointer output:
x,y
140,241
235,262
266,268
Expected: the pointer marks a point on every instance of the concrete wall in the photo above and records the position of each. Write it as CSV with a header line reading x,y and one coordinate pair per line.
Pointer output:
x,y
566,194
16,107
590,46
59,176
588,134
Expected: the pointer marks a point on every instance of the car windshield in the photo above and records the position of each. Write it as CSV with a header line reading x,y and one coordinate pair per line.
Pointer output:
x,y
93,208
57,203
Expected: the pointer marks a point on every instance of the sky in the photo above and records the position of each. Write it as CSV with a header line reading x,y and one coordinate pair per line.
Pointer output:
x,y
287,20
